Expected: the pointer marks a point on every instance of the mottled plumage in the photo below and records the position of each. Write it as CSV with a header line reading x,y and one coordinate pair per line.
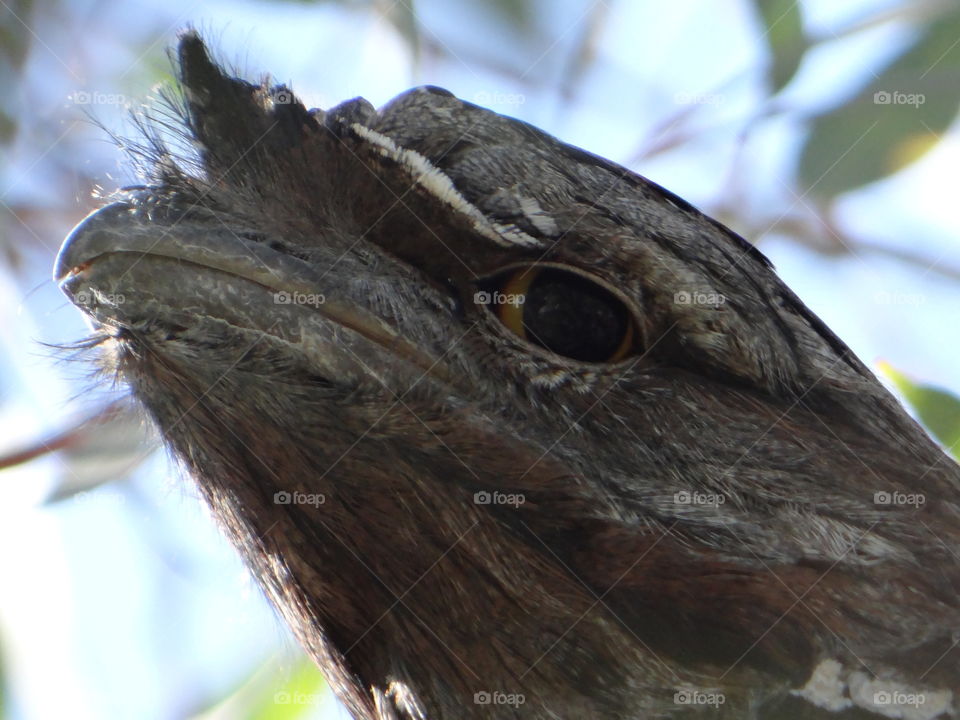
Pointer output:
x,y
460,523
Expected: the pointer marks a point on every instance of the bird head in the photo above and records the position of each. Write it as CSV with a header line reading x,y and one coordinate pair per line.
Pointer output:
x,y
492,417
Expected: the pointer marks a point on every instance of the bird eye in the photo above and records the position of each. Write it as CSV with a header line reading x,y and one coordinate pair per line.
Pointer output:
x,y
564,312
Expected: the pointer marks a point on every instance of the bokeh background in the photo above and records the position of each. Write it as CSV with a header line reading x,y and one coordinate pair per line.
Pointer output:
x,y
824,132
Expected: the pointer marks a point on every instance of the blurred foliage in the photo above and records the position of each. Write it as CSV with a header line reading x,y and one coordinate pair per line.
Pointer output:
x,y
292,698
783,35
262,696
892,120
937,409
14,44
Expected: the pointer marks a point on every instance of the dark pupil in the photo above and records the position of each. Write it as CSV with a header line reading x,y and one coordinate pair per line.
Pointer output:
x,y
573,317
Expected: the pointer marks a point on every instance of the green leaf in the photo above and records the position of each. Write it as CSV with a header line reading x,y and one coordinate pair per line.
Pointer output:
x,y
518,13
272,693
892,121
783,34
15,36
294,698
938,409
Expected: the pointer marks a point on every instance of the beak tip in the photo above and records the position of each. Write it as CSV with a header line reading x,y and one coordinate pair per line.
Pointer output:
x,y
80,245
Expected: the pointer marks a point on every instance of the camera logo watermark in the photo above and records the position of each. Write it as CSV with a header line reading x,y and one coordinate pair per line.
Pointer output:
x,y
88,298
895,298
895,497
282,97
895,97
709,299
485,697
686,497
87,97
692,696
898,699
688,98
298,498
99,497
283,697
298,298
498,498
499,98
483,297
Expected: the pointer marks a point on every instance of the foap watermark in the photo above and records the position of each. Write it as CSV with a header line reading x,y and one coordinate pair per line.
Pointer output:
x,y
897,298
896,698
895,497
99,497
686,497
284,697
496,497
496,697
499,98
693,696
482,297
895,97
285,497
709,299
688,98
93,97
298,298
88,298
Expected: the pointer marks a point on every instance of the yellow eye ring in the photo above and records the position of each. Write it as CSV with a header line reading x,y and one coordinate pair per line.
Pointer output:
x,y
517,285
